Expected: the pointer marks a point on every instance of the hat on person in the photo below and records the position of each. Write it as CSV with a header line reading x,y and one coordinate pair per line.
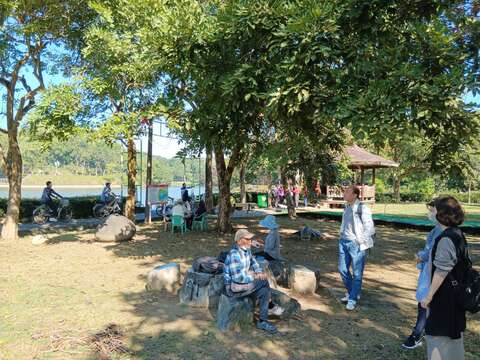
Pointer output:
x,y
243,233
269,222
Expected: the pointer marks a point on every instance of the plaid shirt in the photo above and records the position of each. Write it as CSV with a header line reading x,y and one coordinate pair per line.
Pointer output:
x,y
239,265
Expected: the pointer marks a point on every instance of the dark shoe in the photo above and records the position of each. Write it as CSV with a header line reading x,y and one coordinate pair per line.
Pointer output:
x,y
412,342
265,325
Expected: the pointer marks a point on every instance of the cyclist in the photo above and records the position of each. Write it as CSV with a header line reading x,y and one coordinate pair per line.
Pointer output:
x,y
107,196
48,195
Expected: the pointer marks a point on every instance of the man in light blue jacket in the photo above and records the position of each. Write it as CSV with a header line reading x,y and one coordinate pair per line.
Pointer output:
x,y
423,286
357,234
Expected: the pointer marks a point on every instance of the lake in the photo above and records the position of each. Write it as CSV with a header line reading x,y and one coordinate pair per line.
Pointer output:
x,y
35,192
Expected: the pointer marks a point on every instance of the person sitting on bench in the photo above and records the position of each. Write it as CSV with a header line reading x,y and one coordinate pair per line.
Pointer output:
x,y
244,277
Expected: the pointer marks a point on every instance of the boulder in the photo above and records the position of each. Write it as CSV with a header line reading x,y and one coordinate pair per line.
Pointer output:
x,y
234,313
164,277
290,305
302,280
39,239
115,228
201,289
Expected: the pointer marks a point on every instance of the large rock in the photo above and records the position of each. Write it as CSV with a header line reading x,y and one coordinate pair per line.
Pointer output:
x,y
164,277
290,305
115,228
234,313
302,280
201,289
39,239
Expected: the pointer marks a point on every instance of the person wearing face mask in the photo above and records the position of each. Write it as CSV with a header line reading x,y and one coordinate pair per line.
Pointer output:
x,y
243,277
416,337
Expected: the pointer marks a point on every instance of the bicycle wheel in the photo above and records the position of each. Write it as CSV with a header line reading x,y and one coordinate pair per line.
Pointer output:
x,y
40,215
65,214
98,211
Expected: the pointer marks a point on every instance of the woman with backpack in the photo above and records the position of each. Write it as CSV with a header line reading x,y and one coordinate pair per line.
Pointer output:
x,y
448,262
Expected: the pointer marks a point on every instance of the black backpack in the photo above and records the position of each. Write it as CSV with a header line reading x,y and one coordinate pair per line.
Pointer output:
x,y
208,265
468,292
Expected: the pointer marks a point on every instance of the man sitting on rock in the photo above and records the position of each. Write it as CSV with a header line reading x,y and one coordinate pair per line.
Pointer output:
x,y
244,277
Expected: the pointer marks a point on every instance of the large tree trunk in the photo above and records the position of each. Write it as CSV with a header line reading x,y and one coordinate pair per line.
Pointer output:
x,y
14,175
132,175
292,213
224,174
243,192
396,188
208,180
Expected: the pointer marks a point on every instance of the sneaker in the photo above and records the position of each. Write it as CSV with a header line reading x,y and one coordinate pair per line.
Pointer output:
x,y
351,305
276,310
52,219
412,342
345,298
265,325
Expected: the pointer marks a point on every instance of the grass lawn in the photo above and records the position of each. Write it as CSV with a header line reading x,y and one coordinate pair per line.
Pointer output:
x,y
53,297
417,210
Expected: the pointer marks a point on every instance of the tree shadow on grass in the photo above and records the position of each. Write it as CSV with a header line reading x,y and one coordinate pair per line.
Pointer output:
x,y
168,330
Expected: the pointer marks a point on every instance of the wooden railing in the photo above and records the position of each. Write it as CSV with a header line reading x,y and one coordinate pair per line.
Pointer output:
x,y
367,192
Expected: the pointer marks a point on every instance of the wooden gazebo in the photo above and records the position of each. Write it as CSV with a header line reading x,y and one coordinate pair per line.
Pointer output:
x,y
359,161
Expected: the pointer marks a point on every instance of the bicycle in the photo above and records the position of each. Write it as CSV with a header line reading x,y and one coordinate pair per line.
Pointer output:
x,y
102,210
43,213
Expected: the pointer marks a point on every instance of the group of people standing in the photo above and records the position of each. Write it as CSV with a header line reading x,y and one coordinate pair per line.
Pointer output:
x,y
278,195
443,262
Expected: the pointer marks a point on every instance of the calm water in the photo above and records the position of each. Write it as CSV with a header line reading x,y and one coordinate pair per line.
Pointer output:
x,y
35,193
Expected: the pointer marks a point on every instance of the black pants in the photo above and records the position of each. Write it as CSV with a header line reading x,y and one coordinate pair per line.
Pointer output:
x,y
53,207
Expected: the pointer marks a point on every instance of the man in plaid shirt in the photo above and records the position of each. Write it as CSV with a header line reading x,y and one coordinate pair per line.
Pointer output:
x,y
244,277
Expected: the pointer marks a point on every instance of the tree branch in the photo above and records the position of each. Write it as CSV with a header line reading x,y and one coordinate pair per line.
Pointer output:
x,y
3,131
5,82
3,160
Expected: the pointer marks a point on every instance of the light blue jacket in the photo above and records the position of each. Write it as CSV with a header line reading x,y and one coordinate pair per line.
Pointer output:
x,y
424,280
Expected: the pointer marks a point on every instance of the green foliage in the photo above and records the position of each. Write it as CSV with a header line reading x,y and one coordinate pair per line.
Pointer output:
x,y
426,188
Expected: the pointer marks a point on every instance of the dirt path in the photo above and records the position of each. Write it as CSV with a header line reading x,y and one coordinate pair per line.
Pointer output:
x,y
52,297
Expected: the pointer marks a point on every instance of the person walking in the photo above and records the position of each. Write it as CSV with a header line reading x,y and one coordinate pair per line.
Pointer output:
x,y
356,236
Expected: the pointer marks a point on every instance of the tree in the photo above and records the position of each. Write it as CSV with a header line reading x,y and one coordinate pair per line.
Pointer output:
x,y
31,32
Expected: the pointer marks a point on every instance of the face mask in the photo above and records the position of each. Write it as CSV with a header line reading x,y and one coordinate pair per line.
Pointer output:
x,y
432,216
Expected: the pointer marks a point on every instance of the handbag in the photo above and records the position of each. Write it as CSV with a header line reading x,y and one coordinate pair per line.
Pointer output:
x,y
238,288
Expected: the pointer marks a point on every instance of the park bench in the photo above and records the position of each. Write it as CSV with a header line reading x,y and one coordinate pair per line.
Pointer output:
x,y
245,206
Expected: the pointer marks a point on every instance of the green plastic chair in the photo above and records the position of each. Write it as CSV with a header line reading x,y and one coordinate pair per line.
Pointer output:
x,y
179,222
200,222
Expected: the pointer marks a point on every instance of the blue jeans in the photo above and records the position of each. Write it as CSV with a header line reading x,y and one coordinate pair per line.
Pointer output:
x,y
421,321
350,254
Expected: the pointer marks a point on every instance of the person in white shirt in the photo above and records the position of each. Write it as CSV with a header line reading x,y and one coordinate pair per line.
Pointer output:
x,y
357,233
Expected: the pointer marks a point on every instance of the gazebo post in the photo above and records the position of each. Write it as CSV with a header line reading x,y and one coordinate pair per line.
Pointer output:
x,y
362,182
373,176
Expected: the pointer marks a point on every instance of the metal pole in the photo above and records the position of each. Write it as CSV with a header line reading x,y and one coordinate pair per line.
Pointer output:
x,y
199,175
148,203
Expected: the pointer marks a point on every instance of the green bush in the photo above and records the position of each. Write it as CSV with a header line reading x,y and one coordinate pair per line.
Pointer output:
x,y
81,207
404,197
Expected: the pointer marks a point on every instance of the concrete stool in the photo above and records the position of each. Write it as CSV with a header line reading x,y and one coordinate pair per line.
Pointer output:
x,y
302,280
164,277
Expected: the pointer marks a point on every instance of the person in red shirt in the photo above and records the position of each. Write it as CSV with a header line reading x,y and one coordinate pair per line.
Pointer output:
x,y
296,195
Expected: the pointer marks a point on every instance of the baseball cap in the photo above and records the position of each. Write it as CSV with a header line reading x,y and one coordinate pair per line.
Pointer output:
x,y
243,233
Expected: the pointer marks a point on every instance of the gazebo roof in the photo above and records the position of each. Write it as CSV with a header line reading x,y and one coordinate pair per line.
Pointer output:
x,y
360,158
